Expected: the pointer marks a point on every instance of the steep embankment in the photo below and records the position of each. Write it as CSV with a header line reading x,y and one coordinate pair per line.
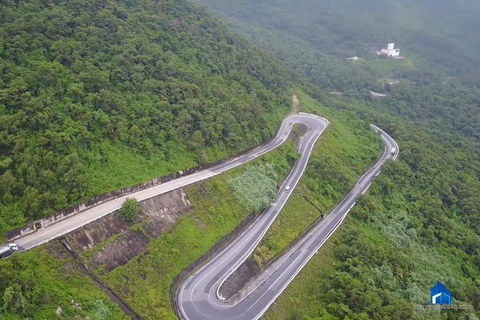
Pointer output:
x,y
99,95
156,215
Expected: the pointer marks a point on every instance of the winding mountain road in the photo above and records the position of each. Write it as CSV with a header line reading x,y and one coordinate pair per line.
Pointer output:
x,y
198,297
63,227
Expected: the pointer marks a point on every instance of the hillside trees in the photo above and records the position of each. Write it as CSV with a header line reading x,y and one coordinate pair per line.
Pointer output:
x,y
80,79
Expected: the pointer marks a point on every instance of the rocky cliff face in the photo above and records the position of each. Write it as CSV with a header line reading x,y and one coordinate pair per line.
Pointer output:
x,y
108,242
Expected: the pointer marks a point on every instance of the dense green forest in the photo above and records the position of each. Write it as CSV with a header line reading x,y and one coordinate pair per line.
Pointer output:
x,y
96,95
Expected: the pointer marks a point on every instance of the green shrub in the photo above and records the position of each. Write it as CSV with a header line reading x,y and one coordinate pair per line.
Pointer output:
x,y
129,209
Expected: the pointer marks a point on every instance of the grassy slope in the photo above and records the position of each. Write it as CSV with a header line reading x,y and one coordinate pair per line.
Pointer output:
x,y
145,281
386,66
45,282
126,167
114,166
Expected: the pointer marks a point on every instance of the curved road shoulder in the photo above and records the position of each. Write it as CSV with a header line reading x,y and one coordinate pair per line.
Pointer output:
x,y
198,296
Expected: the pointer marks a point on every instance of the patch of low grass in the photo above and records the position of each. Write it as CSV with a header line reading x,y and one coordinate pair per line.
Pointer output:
x,y
385,66
256,187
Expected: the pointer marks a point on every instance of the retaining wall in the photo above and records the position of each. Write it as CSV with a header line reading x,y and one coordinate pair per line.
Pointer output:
x,y
68,212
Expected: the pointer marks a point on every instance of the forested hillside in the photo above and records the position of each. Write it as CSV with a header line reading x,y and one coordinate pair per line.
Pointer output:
x,y
439,33
434,89
307,62
96,95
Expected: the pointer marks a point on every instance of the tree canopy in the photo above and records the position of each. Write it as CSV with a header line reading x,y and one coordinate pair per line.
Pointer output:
x,y
84,81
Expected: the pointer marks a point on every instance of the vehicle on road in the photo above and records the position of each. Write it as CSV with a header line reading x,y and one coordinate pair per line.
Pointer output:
x,y
287,188
393,150
7,250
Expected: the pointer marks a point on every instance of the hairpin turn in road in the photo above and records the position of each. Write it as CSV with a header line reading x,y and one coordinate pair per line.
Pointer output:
x,y
198,297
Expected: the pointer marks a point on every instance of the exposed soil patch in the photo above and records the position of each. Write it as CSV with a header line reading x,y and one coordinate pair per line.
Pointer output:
x,y
296,103
239,279
97,232
158,225
298,131
202,225
120,251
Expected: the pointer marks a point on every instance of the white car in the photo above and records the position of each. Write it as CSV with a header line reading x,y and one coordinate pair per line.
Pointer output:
x,y
7,250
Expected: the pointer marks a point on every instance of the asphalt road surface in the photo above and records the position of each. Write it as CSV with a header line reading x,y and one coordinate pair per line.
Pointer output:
x,y
60,228
198,297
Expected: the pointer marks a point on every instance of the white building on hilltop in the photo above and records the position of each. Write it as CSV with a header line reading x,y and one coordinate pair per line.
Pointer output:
x,y
390,51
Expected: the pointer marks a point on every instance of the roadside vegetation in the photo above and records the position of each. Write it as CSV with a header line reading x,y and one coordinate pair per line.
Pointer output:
x,y
415,225
256,187
129,209
144,282
36,283
346,149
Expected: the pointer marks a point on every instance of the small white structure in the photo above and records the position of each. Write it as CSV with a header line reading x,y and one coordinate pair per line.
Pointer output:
x,y
390,51
353,58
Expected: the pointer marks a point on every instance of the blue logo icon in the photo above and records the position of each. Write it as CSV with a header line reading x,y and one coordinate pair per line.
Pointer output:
x,y
440,295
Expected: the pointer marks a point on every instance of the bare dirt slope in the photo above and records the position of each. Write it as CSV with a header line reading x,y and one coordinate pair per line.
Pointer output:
x,y
296,103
